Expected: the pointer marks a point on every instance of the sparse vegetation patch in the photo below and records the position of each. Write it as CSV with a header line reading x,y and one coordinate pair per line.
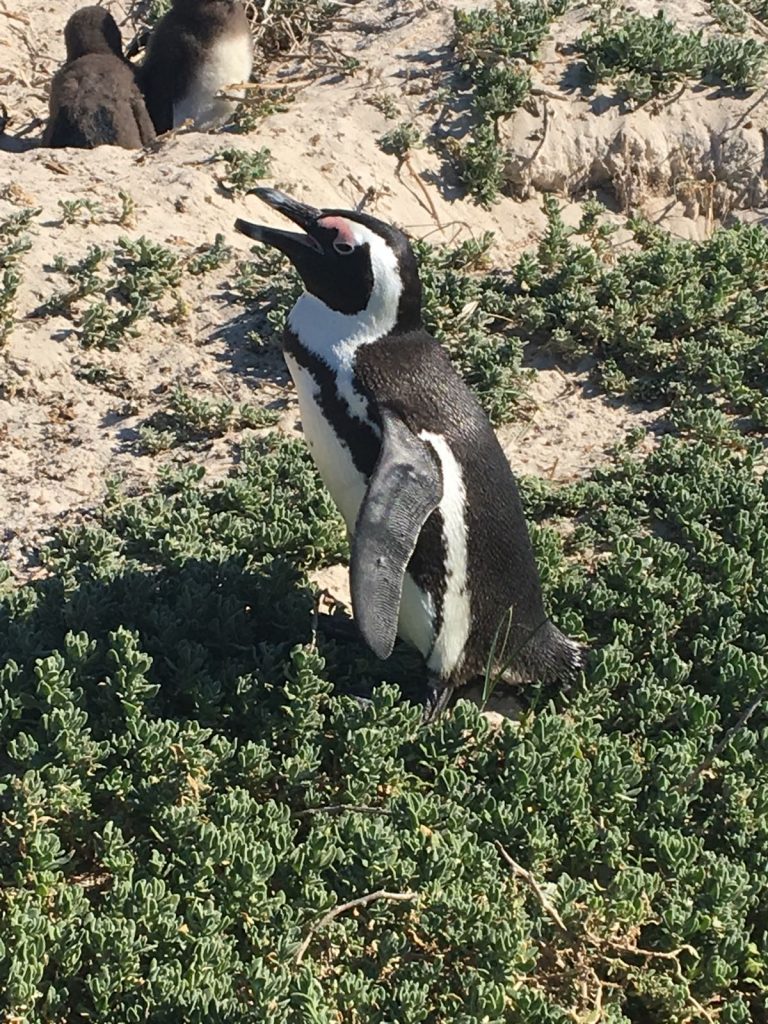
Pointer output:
x,y
650,56
139,278
187,418
676,321
496,49
14,242
245,170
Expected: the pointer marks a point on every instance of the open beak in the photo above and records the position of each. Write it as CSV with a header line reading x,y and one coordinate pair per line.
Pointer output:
x,y
289,242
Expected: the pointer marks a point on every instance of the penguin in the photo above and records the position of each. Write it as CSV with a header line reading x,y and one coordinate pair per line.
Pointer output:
x,y
197,49
440,550
95,99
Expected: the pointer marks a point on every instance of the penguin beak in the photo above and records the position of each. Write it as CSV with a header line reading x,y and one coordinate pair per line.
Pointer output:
x,y
292,243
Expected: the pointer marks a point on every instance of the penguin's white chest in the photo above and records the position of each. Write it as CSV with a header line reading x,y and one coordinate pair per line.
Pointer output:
x,y
228,62
347,486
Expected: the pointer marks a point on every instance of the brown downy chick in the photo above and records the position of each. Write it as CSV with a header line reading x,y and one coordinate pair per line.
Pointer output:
x,y
95,99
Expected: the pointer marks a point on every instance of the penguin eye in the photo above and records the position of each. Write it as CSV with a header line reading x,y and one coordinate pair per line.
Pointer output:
x,y
343,248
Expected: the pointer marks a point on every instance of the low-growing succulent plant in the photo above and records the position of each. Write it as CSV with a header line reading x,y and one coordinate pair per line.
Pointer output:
x,y
187,418
14,242
244,169
495,48
650,56
136,280
198,822
675,321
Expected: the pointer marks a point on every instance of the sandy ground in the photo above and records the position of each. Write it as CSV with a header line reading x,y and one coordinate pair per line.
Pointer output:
x,y
61,436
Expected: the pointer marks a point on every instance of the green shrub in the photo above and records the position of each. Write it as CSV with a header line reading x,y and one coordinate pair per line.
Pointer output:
x,y
187,418
245,170
401,140
14,242
650,56
187,793
676,321
495,48
135,281
737,63
731,16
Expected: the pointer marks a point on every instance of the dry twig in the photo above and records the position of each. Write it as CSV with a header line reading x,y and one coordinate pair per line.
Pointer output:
x,y
361,901
719,747
599,945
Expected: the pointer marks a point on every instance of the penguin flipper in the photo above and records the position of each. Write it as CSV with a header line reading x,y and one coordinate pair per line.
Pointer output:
x,y
405,488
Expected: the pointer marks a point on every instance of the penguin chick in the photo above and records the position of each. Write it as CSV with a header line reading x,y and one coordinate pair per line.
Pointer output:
x,y
440,551
95,99
197,49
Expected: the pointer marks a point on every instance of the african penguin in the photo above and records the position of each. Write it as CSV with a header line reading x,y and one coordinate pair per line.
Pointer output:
x,y
95,99
197,49
440,552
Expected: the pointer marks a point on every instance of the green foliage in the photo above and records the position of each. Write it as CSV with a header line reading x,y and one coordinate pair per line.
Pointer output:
x,y
757,8
127,212
675,321
79,211
401,140
482,164
269,286
146,268
210,257
463,302
244,169
257,105
190,419
650,56
186,792
144,272
495,49
732,17
82,278
737,63
14,242
385,104
136,280
156,9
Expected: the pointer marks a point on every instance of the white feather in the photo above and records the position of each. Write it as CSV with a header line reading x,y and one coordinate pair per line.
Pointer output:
x,y
347,487
228,62
335,337
332,456
448,650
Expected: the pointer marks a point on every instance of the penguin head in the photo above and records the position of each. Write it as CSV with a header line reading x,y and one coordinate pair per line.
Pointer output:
x,y
350,261
92,30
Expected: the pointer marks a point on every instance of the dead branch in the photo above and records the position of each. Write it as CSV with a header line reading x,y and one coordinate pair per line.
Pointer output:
x,y
530,881
361,901
719,747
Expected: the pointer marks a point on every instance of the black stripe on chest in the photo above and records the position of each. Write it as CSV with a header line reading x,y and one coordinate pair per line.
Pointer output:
x,y
356,434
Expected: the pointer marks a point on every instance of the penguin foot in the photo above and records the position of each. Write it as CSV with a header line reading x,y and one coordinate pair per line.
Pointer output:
x,y
438,698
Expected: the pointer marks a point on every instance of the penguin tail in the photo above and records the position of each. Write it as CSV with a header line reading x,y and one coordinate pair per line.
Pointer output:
x,y
553,657
547,655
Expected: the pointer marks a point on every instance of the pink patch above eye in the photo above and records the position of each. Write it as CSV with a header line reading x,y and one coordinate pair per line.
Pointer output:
x,y
342,227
